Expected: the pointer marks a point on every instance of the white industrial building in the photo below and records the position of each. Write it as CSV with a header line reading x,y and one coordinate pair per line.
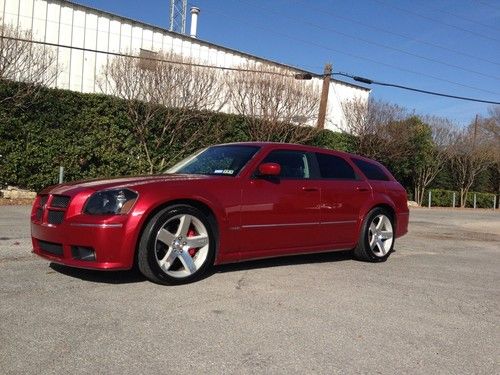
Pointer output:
x,y
70,24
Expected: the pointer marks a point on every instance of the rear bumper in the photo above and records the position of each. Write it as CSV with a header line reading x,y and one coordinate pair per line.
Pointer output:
x,y
402,221
111,244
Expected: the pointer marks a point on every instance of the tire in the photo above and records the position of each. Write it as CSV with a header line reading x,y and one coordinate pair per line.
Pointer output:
x,y
376,239
177,246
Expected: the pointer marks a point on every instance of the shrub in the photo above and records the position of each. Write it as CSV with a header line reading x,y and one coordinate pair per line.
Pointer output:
x,y
444,198
91,136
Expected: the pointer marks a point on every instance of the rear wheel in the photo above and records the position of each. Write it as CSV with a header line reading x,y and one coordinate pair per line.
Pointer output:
x,y
177,245
376,239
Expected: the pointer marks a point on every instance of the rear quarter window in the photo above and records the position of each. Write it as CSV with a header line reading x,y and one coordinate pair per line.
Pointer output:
x,y
334,167
371,170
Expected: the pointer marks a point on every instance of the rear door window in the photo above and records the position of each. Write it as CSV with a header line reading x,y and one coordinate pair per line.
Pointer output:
x,y
371,170
334,167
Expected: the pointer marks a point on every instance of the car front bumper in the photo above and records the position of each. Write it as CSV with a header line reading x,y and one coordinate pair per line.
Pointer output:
x,y
104,246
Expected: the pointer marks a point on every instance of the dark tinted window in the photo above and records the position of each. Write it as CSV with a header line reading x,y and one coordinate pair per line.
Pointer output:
x,y
217,160
370,170
294,164
331,166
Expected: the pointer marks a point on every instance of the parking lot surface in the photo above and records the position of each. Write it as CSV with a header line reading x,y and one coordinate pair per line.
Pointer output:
x,y
432,308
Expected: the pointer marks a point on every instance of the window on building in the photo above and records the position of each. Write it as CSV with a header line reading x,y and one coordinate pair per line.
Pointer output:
x,y
147,59
334,167
294,164
370,170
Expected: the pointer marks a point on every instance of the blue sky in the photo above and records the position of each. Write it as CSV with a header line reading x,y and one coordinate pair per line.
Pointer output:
x,y
441,45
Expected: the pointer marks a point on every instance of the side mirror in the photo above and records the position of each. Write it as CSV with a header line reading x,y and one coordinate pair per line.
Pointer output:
x,y
269,169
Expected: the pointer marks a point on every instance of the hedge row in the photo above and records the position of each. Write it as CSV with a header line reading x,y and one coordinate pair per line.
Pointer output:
x,y
444,198
91,136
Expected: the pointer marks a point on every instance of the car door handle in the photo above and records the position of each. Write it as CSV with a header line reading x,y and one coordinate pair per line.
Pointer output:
x,y
359,188
305,188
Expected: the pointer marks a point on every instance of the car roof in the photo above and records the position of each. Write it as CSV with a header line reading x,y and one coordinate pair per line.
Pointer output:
x,y
280,145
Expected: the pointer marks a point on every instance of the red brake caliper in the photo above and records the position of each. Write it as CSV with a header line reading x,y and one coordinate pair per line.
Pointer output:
x,y
191,233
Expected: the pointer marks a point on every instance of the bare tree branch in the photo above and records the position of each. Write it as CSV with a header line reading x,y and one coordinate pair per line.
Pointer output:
x,y
271,103
32,65
470,155
162,98
371,122
436,155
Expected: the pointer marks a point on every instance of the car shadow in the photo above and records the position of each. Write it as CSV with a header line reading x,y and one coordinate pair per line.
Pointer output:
x,y
134,275
292,260
106,277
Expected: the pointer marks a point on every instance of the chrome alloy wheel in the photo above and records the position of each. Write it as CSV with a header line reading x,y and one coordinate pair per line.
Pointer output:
x,y
182,246
380,235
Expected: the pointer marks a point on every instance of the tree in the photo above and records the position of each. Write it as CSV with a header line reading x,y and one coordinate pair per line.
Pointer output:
x,y
470,155
369,121
271,101
489,130
21,60
162,97
415,149
436,153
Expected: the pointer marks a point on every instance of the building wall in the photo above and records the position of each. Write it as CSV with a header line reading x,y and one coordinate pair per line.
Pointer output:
x,y
65,23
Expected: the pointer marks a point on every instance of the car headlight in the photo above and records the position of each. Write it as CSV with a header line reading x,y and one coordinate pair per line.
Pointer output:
x,y
110,202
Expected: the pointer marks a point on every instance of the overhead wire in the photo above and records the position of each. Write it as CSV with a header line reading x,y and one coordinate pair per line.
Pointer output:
x,y
310,75
373,82
400,9
399,50
461,17
328,48
398,34
488,4
147,58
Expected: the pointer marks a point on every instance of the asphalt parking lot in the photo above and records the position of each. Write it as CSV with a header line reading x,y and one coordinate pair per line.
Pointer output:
x,y
432,308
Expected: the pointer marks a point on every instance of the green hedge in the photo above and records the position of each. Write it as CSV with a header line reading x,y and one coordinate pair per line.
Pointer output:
x,y
483,200
91,136
444,198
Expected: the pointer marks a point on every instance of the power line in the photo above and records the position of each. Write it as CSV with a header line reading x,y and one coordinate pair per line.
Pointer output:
x,y
147,58
461,17
405,36
488,5
307,75
375,43
372,82
435,20
311,43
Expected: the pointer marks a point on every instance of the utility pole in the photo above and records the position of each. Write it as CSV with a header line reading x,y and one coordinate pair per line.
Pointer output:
x,y
475,134
324,96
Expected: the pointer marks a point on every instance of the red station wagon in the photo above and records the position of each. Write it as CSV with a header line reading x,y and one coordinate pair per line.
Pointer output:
x,y
226,203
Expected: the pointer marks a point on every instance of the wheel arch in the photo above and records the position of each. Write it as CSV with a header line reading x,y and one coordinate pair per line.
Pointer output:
x,y
390,209
203,207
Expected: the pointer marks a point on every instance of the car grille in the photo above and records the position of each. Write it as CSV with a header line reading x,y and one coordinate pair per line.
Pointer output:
x,y
50,247
43,199
52,208
61,201
39,213
55,217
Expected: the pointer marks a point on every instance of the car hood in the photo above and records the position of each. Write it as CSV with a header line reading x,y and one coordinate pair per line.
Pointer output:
x,y
72,188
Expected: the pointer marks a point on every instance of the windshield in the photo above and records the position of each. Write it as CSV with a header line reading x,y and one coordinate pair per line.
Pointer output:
x,y
217,160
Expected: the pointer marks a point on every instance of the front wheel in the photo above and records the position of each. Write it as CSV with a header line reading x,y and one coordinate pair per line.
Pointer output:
x,y
376,239
177,245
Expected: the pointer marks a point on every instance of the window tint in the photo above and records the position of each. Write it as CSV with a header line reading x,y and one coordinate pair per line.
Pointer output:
x,y
294,164
217,160
370,170
331,166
